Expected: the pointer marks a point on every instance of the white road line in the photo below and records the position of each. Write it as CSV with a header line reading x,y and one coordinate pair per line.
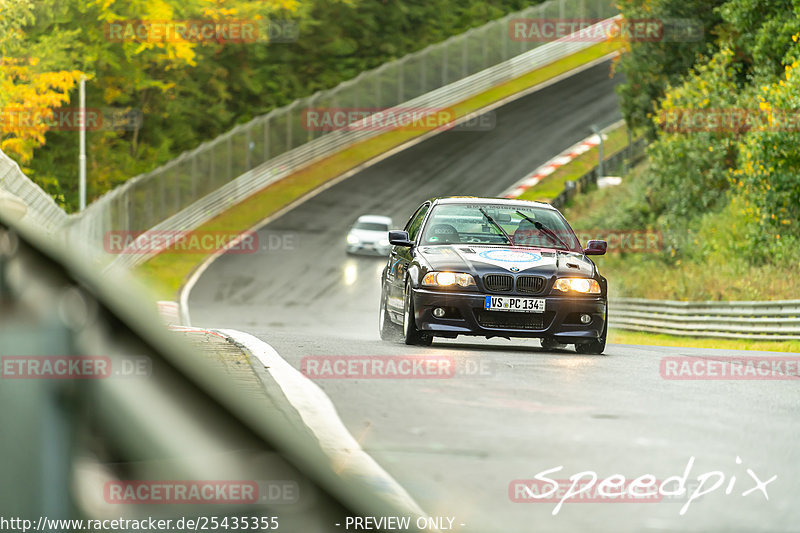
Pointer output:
x,y
319,414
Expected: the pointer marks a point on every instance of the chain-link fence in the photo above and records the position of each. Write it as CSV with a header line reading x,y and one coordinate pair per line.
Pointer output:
x,y
204,182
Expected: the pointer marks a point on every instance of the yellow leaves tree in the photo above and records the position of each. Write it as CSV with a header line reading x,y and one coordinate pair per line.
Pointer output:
x,y
28,102
29,94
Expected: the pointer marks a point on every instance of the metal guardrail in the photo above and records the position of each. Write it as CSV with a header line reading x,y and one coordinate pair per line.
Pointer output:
x,y
203,183
616,164
770,320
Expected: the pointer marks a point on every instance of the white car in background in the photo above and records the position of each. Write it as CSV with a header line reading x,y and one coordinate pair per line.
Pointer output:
x,y
370,235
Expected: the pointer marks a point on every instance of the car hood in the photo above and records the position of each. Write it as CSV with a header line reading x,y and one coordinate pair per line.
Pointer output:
x,y
480,260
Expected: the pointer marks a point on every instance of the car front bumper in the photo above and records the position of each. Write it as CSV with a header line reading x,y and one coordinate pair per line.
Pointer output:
x,y
465,315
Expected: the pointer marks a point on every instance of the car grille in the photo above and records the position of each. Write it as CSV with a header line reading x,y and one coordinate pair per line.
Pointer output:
x,y
530,284
507,320
498,282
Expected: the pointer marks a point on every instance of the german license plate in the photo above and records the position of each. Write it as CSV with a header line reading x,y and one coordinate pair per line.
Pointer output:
x,y
511,303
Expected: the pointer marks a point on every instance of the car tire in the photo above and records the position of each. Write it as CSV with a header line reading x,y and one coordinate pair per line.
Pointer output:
x,y
411,334
550,343
389,330
594,347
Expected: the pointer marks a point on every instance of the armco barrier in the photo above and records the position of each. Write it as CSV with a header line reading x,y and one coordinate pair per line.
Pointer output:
x,y
770,320
616,164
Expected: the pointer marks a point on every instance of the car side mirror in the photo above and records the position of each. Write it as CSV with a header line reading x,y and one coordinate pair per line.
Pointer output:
x,y
596,248
399,238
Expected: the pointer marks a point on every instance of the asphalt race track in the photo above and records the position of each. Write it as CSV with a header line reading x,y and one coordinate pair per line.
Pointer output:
x,y
512,410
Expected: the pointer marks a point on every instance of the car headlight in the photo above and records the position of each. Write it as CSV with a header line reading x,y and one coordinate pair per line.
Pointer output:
x,y
581,285
352,239
448,279
384,242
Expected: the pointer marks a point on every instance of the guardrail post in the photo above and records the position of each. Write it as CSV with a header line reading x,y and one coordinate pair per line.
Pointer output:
x,y
163,197
377,89
504,38
194,176
248,149
177,181
266,137
229,146
150,199
464,57
486,48
400,79
422,77
444,63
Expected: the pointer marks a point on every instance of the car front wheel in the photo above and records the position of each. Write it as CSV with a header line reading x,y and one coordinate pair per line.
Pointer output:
x,y
594,347
411,334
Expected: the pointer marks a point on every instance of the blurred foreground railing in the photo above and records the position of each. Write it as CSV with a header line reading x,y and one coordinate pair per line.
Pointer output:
x,y
39,208
771,320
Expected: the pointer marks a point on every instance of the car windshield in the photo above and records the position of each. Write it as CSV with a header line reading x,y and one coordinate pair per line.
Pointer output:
x,y
482,223
371,226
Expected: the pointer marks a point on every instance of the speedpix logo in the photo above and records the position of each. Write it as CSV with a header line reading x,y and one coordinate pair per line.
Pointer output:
x,y
587,487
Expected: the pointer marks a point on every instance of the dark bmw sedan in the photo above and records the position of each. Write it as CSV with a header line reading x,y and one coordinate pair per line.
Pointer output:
x,y
495,268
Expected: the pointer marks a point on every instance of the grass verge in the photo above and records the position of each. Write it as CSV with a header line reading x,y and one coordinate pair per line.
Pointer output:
x,y
551,186
711,267
166,272
618,336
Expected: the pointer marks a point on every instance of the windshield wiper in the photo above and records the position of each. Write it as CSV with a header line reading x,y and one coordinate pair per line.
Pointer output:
x,y
544,229
498,226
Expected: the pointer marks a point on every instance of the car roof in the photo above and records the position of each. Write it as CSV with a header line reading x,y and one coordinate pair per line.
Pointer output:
x,y
380,219
494,201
